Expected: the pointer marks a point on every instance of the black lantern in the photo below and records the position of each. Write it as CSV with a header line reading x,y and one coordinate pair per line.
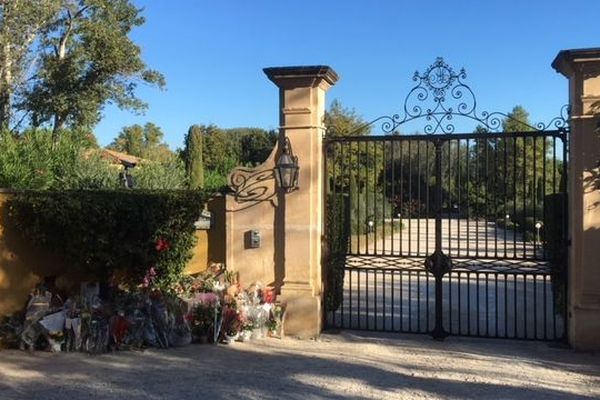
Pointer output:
x,y
286,170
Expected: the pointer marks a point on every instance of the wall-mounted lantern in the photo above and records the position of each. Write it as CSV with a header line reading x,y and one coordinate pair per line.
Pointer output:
x,y
286,170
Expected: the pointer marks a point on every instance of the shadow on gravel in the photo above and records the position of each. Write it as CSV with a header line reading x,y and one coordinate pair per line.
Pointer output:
x,y
264,371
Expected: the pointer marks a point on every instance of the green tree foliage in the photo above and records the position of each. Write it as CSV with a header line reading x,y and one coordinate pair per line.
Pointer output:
x,y
225,149
256,145
33,161
343,121
160,175
192,157
144,142
21,24
85,59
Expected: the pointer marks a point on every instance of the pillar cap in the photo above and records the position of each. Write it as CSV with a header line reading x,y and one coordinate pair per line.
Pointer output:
x,y
308,75
566,59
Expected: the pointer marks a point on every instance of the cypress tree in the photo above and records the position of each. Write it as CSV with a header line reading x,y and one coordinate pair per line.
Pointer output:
x,y
194,164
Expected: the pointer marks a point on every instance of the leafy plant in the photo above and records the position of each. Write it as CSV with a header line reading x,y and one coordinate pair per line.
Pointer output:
x,y
101,232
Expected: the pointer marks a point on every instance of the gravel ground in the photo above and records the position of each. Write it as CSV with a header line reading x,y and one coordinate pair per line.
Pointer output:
x,y
345,366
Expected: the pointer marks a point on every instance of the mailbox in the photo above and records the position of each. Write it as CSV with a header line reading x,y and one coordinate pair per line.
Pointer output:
x,y
252,239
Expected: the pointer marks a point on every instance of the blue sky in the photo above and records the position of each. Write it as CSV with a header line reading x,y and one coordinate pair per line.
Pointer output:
x,y
212,54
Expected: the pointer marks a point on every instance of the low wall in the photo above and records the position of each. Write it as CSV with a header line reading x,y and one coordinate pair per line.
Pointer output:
x,y
23,266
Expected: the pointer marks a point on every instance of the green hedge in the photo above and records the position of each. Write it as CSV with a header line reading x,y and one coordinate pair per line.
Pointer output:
x,y
338,236
105,231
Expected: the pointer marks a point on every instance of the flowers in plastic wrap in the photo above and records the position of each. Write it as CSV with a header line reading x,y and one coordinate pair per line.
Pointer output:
x,y
205,317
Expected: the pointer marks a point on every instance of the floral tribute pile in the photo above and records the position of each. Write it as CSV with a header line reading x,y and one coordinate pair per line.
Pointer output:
x,y
209,308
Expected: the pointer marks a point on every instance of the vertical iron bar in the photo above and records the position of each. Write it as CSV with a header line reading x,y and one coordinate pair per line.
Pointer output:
x,y
427,212
419,301
525,304
487,304
400,210
535,199
393,301
393,193
515,305
495,197
350,298
401,302
459,306
477,197
367,295
358,304
375,309
505,185
410,301
438,331
545,308
469,212
486,189
458,190
449,198
496,300
545,245
384,280
565,229
478,314
410,199
505,305
469,303
375,211
418,202
367,189
535,306
514,155
383,195
524,220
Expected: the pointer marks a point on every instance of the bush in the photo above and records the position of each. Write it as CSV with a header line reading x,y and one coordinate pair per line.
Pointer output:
x,y
338,235
108,231
33,161
157,176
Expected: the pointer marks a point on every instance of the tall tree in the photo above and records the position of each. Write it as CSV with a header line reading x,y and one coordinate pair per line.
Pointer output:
x,y
192,157
143,141
21,23
86,60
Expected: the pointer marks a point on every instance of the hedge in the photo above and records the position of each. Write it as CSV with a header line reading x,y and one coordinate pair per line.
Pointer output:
x,y
101,232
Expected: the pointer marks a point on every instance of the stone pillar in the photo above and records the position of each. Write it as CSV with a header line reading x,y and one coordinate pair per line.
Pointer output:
x,y
302,108
582,68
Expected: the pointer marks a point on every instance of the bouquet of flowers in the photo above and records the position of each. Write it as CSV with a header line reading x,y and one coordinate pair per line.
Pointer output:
x,y
205,317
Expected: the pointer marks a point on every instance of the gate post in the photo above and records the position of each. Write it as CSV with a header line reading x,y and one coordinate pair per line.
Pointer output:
x,y
582,68
301,111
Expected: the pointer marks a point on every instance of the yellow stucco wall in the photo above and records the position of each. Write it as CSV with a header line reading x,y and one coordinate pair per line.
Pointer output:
x,y
22,266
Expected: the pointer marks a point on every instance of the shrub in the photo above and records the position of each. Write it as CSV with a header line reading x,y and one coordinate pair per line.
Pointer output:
x,y
102,232
33,161
338,234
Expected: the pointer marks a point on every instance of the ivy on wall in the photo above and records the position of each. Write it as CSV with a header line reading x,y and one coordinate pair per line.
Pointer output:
x,y
338,236
101,232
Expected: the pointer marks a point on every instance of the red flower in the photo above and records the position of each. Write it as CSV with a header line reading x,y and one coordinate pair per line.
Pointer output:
x,y
162,245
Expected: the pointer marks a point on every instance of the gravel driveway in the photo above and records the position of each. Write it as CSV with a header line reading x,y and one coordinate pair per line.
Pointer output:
x,y
345,366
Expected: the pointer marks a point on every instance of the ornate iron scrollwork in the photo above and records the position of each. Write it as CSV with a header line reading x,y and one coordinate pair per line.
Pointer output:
x,y
441,96
252,185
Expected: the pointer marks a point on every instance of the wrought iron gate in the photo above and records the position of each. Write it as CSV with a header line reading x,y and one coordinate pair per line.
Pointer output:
x,y
447,233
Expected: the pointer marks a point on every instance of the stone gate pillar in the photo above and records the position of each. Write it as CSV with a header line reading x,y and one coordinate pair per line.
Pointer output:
x,y
582,68
302,108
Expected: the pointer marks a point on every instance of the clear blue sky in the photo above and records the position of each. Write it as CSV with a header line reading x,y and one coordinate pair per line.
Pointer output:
x,y
212,54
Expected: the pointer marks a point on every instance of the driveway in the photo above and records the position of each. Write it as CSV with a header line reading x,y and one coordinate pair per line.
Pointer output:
x,y
345,366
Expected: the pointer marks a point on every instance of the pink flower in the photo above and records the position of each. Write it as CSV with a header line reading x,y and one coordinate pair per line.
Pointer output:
x,y
209,298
